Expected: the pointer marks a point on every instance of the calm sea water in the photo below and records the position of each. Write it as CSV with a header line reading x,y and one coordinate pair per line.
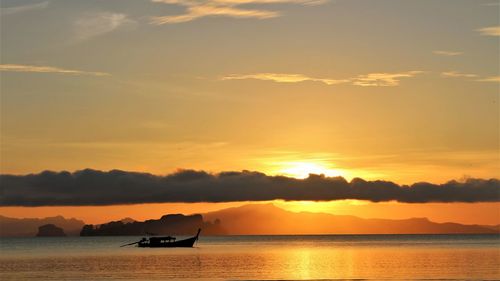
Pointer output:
x,y
255,257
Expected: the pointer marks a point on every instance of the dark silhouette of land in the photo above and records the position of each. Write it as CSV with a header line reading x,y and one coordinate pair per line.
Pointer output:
x,y
175,224
269,219
50,230
12,227
252,219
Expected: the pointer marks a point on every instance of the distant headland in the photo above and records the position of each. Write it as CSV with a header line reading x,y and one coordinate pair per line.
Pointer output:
x,y
252,219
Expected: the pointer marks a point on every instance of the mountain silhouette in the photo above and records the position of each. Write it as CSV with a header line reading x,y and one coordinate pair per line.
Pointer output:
x,y
13,227
172,224
269,219
128,220
251,219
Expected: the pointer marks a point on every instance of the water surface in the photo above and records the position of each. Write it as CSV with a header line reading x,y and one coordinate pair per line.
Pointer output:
x,y
255,257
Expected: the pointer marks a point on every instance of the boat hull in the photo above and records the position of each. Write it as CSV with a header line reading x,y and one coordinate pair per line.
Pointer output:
x,y
166,242
186,243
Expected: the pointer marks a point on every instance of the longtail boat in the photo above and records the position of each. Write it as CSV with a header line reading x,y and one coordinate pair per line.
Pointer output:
x,y
165,242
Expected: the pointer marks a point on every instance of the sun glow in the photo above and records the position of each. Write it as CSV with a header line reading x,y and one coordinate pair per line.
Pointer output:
x,y
301,170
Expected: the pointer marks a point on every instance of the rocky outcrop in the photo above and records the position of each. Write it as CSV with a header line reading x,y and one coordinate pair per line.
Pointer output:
x,y
50,230
174,224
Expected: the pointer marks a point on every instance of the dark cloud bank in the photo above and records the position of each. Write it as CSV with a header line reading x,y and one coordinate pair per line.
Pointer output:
x,y
91,187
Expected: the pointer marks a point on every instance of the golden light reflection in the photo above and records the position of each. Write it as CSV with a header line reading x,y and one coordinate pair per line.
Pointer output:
x,y
305,262
342,207
302,169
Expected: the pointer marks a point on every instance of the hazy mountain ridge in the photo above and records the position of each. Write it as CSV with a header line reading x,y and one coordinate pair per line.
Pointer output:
x,y
252,219
269,219
12,227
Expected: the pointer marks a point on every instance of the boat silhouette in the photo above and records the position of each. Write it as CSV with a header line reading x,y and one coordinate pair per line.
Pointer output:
x,y
165,242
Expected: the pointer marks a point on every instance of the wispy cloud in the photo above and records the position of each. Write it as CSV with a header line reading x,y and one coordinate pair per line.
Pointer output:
x,y
96,24
489,31
447,53
196,9
24,8
490,79
383,79
456,74
47,69
196,12
371,79
492,4
283,78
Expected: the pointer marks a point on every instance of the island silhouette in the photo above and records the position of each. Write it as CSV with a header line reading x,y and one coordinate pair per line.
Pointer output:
x,y
251,219
50,230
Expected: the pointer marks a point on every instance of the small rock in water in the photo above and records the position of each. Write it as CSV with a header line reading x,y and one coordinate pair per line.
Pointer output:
x,y
50,230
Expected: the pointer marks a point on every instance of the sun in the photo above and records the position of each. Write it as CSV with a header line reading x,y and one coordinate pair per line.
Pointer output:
x,y
301,170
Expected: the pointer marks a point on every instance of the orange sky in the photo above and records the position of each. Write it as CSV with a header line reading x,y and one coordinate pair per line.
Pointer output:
x,y
366,89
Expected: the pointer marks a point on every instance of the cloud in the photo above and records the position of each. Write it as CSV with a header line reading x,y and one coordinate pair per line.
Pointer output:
x,y
447,53
24,8
492,4
209,10
456,74
282,78
383,79
489,31
196,9
47,69
92,187
490,79
96,24
371,79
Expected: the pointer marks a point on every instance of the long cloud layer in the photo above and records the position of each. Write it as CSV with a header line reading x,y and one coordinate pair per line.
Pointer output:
x,y
196,9
371,79
47,69
92,187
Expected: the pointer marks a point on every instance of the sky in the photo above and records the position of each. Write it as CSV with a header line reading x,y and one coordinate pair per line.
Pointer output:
x,y
401,91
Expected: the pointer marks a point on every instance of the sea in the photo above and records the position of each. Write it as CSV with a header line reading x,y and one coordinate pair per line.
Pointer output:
x,y
290,257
